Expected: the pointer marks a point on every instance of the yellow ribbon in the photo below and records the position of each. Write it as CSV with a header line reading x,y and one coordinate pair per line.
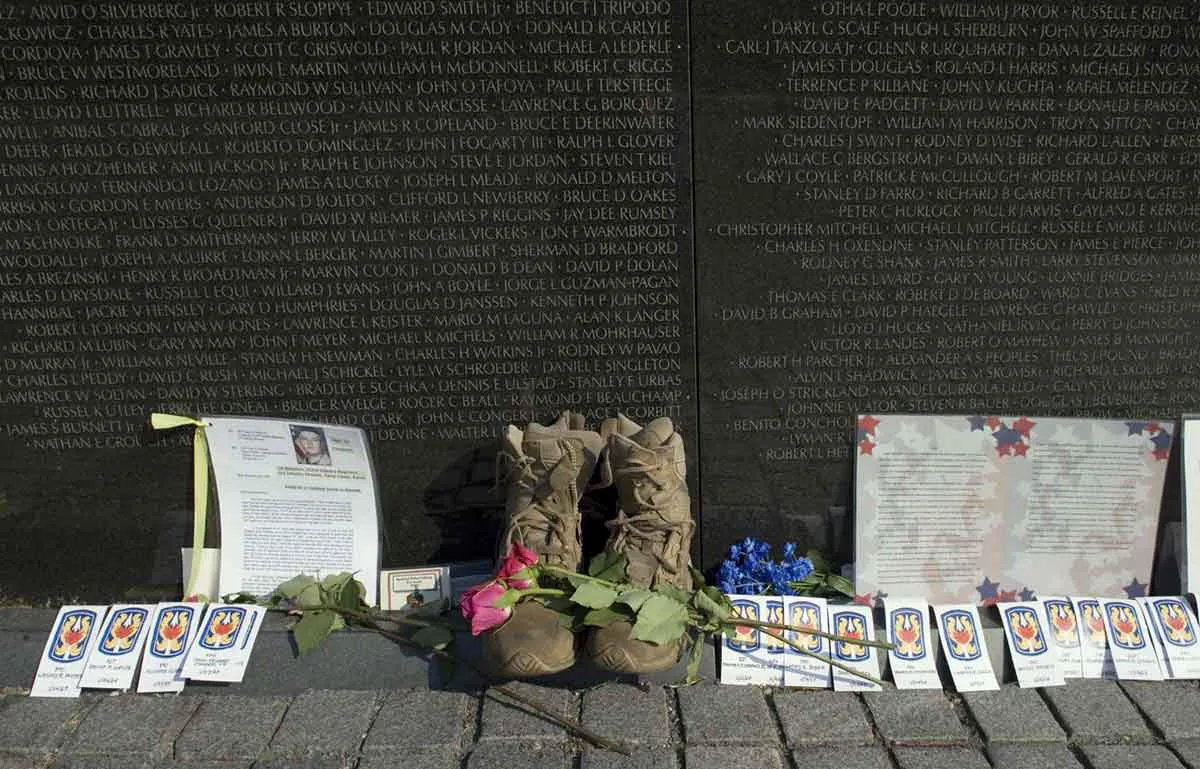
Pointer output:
x,y
199,480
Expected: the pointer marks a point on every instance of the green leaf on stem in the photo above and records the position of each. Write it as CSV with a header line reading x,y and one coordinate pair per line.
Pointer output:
x,y
674,593
351,594
818,560
634,597
694,658
295,586
603,617
698,581
713,611
840,584
609,566
433,637
313,628
594,596
660,620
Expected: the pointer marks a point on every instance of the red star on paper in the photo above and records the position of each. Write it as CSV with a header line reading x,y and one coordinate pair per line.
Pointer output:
x,y
1162,453
865,447
867,599
1024,425
1006,595
1019,449
868,423
1004,450
993,422
1152,427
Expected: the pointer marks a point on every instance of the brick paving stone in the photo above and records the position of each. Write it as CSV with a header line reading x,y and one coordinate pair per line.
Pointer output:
x,y
423,719
527,755
823,718
646,758
1023,755
13,761
732,757
323,724
1096,710
412,758
1172,706
1188,751
842,758
629,713
1127,756
726,715
34,725
230,728
940,758
124,762
309,762
505,719
135,727
1013,714
915,717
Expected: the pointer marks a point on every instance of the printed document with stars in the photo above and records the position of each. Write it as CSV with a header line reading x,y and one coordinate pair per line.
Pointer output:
x,y
1190,454
986,509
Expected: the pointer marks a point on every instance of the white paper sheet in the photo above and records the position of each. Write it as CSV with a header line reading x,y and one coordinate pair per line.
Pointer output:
x,y
1065,634
222,648
854,622
965,648
1190,455
987,509
172,628
912,661
746,657
1176,633
1095,656
1033,652
73,638
119,649
295,498
1129,641
802,670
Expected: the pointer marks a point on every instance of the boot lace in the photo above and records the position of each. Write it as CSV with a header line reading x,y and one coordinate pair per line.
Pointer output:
x,y
539,523
646,531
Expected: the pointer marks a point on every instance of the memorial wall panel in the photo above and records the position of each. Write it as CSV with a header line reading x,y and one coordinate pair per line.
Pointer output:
x,y
428,218
932,207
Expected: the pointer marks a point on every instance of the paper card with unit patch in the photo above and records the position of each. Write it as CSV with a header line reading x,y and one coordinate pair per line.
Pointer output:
x,y
748,655
801,669
961,635
1153,633
1129,641
172,628
1034,655
119,649
75,633
1175,628
854,622
1095,657
912,660
1064,630
223,644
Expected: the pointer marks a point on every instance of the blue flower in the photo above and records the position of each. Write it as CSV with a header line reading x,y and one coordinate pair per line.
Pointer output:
x,y
789,551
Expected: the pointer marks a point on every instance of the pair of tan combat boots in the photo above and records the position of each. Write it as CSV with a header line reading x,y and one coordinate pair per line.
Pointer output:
x,y
547,468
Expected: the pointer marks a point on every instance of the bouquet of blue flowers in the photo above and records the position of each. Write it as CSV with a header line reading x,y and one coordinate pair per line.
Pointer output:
x,y
749,570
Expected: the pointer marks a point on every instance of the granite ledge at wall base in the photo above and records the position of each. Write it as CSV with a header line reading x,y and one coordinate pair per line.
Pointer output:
x,y
362,660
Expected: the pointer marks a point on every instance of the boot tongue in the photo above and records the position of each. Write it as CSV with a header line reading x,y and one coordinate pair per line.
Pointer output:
x,y
542,446
654,434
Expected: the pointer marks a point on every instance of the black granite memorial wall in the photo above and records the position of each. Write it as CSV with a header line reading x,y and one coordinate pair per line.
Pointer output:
x,y
431,218
933,207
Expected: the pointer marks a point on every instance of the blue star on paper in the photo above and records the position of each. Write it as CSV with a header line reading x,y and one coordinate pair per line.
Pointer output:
x,y
1134,589
976,422
1135,428
987,588
1028,595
